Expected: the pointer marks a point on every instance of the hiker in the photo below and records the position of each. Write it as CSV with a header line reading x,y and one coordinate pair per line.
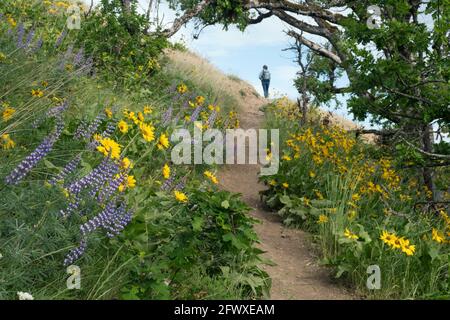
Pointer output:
x,y
264,76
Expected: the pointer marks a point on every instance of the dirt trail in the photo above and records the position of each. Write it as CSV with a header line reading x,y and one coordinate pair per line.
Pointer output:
x,y
296,274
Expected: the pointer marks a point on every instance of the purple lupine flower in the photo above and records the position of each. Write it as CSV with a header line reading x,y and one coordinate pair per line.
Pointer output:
x,y
68,169
1,16
51,113
58,110
196,113
73,206
103,174
212,119
108,190
167,116
65,57
76,253
167,185
110,129
88,66
38,45
102,177
20,34
112,219
119,224
29,38
78,57
84,131
99,220
40,152
60,38
81,130
181,184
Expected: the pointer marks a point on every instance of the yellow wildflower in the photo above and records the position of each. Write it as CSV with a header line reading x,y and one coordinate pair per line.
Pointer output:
x,y
211,177
163,142
148,132
129,182
108,112
348,234
438,236
37,93
166,171
180,197
109,147
200,100
123,126
8,113
182,88
322,219
126,163
7,142
148,110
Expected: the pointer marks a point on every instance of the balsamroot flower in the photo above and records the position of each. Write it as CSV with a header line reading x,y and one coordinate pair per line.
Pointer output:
x,y
180,196
7,142
166,171
163,142
8,113
123,126
148,132
109,148
211,177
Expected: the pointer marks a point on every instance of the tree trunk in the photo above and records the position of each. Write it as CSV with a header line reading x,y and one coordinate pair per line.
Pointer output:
x,y
427,146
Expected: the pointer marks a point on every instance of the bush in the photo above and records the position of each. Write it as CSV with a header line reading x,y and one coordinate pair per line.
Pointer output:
x,y
362,209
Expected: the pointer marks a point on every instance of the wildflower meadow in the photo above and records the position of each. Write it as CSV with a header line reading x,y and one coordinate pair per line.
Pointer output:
x,y
93,205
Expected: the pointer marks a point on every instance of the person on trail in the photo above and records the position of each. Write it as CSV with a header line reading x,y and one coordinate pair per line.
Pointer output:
x,y
264,76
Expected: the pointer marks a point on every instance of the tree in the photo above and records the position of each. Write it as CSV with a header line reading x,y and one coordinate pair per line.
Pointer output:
x,y
395,56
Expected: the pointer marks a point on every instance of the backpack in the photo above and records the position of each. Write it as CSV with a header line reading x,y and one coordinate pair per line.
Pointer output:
x,y
265,75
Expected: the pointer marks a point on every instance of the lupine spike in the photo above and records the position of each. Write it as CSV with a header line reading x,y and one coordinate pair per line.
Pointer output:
x,y
37,155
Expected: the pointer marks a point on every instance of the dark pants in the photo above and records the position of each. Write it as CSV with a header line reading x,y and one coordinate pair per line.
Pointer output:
x,y
266,84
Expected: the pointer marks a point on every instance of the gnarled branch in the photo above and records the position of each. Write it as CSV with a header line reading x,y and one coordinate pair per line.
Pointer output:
x,y
316,47
188,15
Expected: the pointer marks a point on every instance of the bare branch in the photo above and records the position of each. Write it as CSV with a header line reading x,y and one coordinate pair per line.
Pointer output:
x,y
316,47
428,154
188,15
